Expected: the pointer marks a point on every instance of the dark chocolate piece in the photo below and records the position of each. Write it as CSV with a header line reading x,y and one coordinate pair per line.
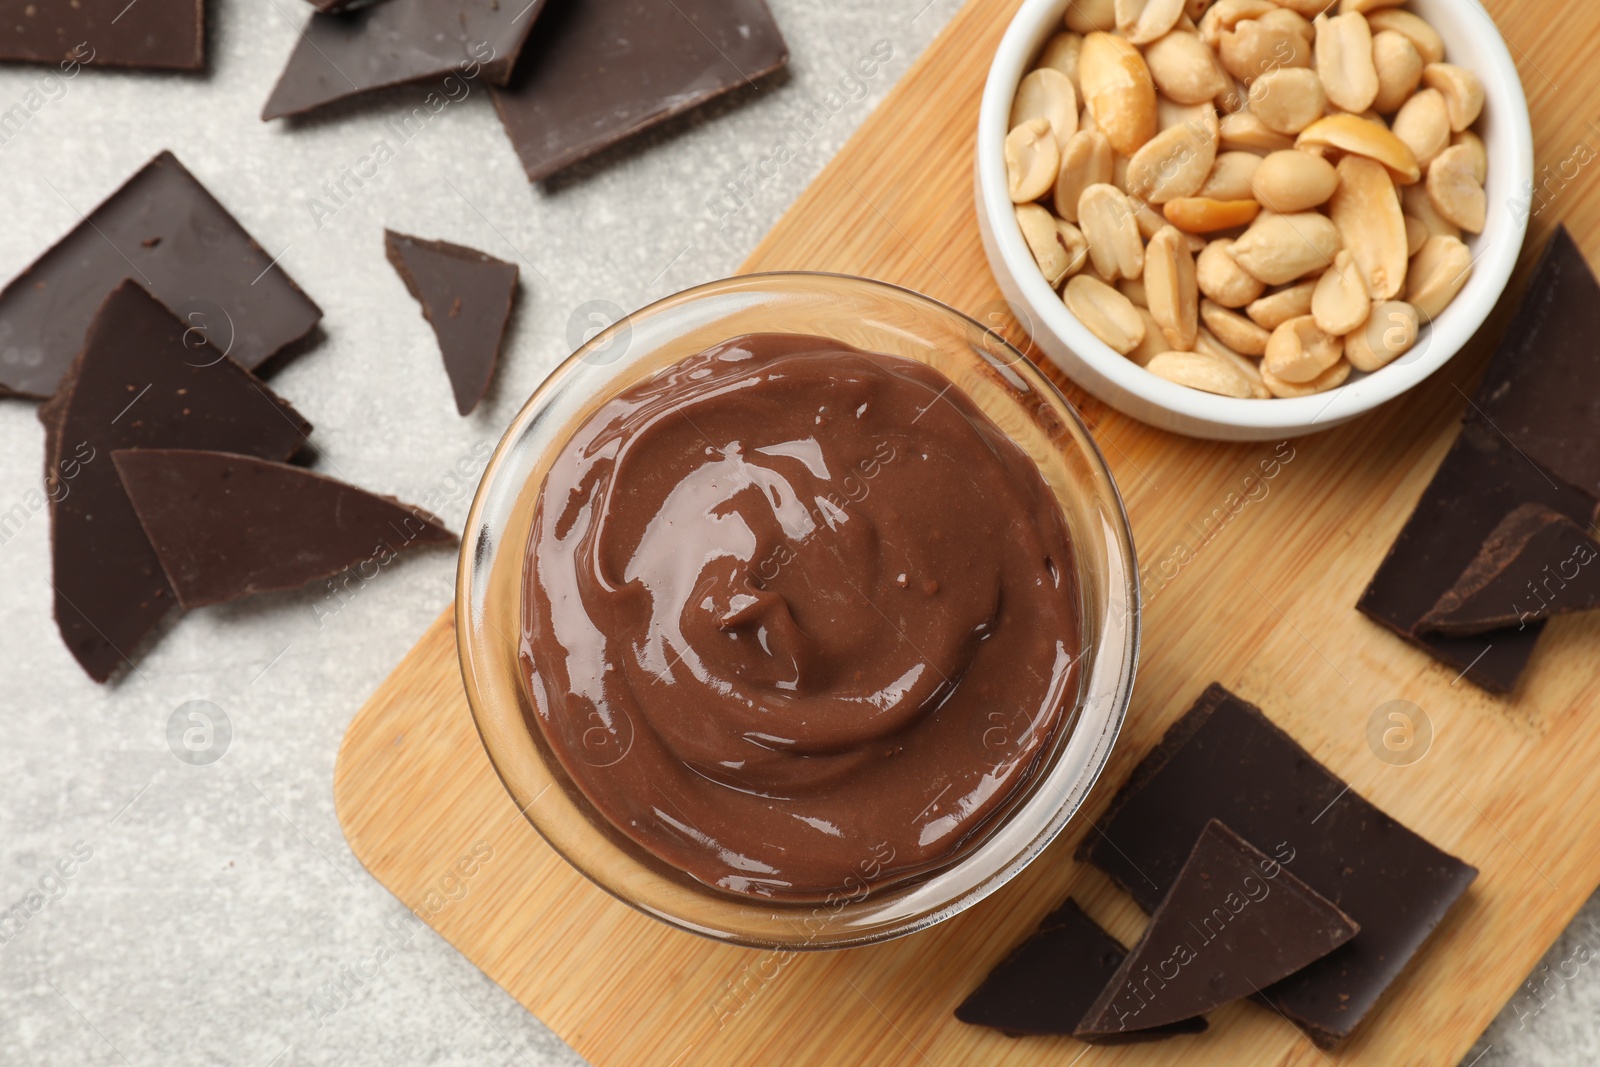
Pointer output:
x,y
165,231
148,34
466,297
227,526
1234,922
400,41
1480,481
600,71
142,382
1225,760
1047,983
1542,389
1535,565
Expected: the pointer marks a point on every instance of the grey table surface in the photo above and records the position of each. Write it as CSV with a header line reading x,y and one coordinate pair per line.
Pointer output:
x,y
217,916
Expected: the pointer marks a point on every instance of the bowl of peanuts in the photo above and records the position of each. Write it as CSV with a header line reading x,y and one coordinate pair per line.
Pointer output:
x,y
1249,219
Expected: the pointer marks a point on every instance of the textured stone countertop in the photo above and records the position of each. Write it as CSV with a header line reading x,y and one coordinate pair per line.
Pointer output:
x,y
219,909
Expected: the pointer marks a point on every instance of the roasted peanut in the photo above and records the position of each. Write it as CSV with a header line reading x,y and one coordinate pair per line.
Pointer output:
x,y
1345,62
1195,214
1389,333
1367,5
1291,181
1224,15
1277,39
1399,68
1105,313
1288,99
1032,160
1207,342
1185,68
1176,161
1454,189
1244,131
1281,248
1107,219
1057,246
1047,94
1307,9
1331,378
1415,201
1366,209
1423,123
1133,289
1061,53
1119,90
1275,309
1202,370
1298,351
1084,16
1352,133
1222,279
1230,177
1438,273
1152,344
1085,161
1339,303
1236,331
1462,89
1169,283
1143,21
1423,37
1416,235
1476,152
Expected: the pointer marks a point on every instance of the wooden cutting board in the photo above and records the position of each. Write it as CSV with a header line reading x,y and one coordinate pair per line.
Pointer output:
x,y
1265,605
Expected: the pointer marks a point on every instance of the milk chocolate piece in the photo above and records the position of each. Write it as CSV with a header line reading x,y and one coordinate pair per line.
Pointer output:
x,y
1535,565
1480,481
1542,389
227,526
1234,922
1225,760
466,297
165,231
149,34
1047,983
347,53
600,71
143,381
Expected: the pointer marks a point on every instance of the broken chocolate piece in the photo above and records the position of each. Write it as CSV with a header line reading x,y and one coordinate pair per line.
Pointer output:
x,y
1234,922
601,71
1047,983
400,41
466,297
141,381
227,526
1225,760
1542,389
151,34
164,230
1481,480
1533,566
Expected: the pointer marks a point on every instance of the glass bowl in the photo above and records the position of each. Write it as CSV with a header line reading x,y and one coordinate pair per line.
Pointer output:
x,y
869,315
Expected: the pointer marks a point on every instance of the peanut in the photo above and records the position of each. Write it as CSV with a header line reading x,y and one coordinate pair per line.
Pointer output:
x,y
1454,189
1274,309
1423,123
1366,210
1416,234
1236,331
1169,282
1119,90
1352,133
1415,201
1298,351
1085,161
1344,60
1291,181
1133,289
1107,219
1222,279
1423,37
1224,15
1389,333
1462,89
1339,303
1438,273
1152,344
1476,151
1231,176
1206,342
1201,215
1032,160
1057,246
1185,68
1175,162
1105,313
1331,378
1047,94
1061,53
1244,131
1281,248
1084,16
1202,370
1277,39
1399,68
1367,5
1288,99
1143,21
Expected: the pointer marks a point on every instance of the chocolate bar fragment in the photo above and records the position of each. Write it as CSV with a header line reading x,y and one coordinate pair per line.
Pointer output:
x,y
466,297
1225,760
347,53
164,230
1481,480
142,381
1533,566
601,71
1234,922
149,34
227,526
1047,983
1542,389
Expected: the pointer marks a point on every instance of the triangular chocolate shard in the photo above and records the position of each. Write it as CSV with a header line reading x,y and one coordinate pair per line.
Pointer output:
x,y
1049,981
1234,922
226,526
143,380
466,297
1535,565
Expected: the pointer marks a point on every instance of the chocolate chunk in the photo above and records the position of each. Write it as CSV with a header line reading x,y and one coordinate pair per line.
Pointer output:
x,y
164,230
399,41
1225,760
1542,389
1480,481
1047,983
600,71
466,297
149,34
227,526
142,381
1234,922
1533,566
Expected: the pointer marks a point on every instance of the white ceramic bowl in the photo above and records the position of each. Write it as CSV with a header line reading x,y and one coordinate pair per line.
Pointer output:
x,y
1471,40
